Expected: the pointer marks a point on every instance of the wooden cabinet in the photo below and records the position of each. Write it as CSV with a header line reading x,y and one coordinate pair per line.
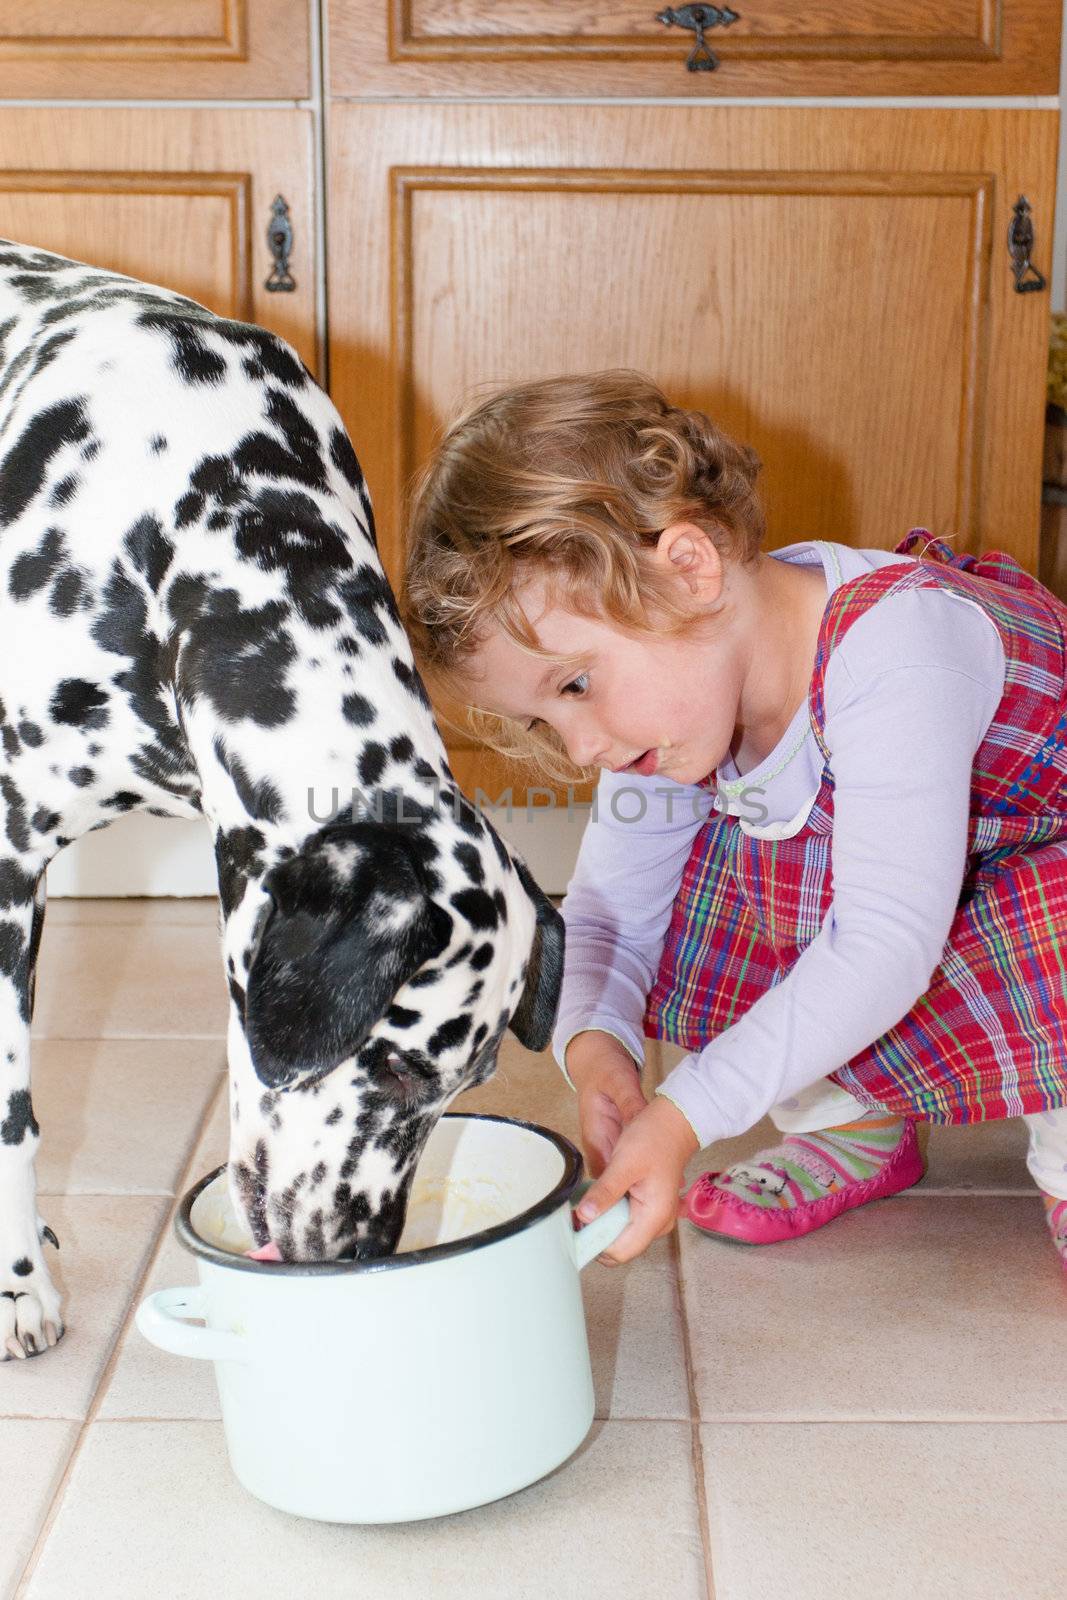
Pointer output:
x,y
178,197
831,282
832,285
155,49
435,48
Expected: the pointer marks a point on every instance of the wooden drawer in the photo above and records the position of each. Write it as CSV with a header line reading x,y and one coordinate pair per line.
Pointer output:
x,y
774,47
155,49
177,197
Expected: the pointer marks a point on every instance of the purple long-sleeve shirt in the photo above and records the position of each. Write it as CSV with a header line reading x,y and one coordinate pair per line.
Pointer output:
x,y
909,694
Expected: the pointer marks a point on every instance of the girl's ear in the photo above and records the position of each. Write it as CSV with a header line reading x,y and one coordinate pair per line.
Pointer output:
x,y
690,553
349,923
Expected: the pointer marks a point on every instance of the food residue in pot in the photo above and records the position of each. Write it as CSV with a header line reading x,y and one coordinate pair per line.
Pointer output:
x,y
440,1210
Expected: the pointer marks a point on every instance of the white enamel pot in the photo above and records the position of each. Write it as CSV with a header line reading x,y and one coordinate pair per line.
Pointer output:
x,y
432,1380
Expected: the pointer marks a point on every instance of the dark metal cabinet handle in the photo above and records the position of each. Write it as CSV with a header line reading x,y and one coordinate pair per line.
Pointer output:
x,y
280,239
698,18
1021,246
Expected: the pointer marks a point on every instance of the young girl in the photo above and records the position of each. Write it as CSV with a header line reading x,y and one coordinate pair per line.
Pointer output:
x,y
829,851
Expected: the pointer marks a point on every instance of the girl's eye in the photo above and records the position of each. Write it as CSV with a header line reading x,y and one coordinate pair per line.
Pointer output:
x,y
578,685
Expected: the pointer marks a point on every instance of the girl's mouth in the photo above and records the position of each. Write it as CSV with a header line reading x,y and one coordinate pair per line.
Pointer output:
x,y
646,764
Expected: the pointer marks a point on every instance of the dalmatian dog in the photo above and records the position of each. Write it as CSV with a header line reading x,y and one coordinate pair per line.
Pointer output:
x,y
194,620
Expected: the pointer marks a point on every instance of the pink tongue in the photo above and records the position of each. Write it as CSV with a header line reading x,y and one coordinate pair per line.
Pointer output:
x,y
266,1252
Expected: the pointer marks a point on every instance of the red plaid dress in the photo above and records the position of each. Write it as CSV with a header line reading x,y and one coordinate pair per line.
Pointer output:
x,y
989,1037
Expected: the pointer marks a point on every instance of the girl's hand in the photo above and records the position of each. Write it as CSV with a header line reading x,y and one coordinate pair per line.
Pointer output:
x,y
609,1093
648,1164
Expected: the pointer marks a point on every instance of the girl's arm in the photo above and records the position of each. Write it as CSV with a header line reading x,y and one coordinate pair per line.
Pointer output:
x,y
618,904
902,738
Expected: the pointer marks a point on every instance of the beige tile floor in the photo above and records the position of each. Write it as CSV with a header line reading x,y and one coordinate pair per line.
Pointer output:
x,y
878,1410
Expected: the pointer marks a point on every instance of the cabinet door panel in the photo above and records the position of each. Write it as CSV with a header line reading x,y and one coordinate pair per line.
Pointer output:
x,y
179,198
832,285
773,47
155,48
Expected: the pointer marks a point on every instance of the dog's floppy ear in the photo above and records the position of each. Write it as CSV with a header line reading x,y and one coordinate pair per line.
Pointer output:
x,y
351,922
535,1014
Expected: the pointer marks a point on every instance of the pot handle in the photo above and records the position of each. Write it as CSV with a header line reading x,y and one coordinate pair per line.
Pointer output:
x,y
159,1317
597,1235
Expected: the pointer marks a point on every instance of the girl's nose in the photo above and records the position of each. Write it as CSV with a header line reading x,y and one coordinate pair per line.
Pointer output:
x,y
586,749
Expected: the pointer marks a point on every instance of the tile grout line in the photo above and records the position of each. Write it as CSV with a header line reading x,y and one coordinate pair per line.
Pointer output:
x,y
696,1443
59,1494
655,1060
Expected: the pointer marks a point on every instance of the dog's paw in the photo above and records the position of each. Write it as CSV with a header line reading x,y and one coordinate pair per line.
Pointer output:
x,y
30,1319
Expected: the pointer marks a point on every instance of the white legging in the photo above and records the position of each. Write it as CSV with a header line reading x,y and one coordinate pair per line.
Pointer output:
x,y
827,1105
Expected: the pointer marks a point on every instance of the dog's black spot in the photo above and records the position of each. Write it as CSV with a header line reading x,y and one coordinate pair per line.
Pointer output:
x,y
69,593
401,1017
401,748
16,886
157,443
273,354
79,703
344,458
234,655
12,947
22,471
81,777
259,797
481,957
371,762
30,734
20,1119
335,1116
450,1034
121,800
49,350
188,509
237,859
358,710
193,360
17,829
32,571
296,455
64,491
477,907
411,682
367,597
470,861
121,628
44,821
149,549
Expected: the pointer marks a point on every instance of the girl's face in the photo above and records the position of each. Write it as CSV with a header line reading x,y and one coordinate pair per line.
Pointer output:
x,y
671,705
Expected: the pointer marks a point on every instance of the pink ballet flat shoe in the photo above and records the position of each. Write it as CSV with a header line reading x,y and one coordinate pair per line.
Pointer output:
x,y
718,1211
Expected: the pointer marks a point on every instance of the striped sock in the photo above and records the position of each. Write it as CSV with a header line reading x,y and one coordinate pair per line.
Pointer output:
x,y
1056,1217
806,1166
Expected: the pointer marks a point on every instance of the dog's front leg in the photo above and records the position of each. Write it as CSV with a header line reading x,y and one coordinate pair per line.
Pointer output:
x,y
30,1317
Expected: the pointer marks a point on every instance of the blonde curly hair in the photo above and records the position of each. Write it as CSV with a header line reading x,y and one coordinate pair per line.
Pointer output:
x,y
569,479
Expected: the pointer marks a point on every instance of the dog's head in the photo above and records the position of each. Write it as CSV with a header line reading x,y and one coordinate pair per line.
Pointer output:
x,y
384,967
